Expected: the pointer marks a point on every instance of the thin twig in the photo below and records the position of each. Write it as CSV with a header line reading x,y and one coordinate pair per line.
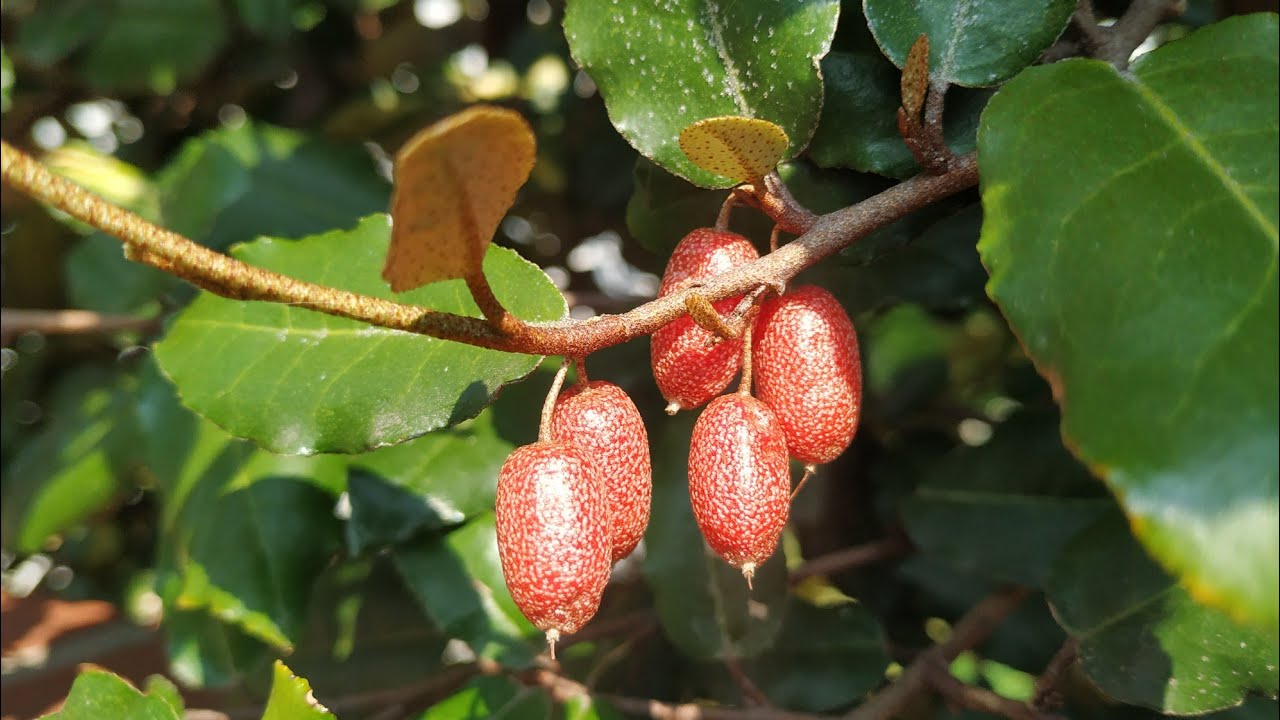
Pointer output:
x,y
819,238
1130,30
1046,695
856,556
750,690
548,409
15,321
969,632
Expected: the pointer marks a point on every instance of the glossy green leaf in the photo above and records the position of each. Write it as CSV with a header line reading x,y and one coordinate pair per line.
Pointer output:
x,y
243,532
154,44
273,18
972,44
56,29
458,579
491,697
6,80
98,694
206,652
297,381
825,657
434,482
291,698
703,602
1144,640
1131,236
663,66
77,464
159,686
859,125
1006,508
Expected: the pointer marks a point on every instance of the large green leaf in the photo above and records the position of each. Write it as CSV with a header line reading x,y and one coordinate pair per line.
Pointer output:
x,y
1131,236
970,43
1006,508
97,694
154,44
55,29
1144,640
436,481
243,532
825,657
458,579
703,602
78,463
291,698
297,381
491,697
662,67
859,126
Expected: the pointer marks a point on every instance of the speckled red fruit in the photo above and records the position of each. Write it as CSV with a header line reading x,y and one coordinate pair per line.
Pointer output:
x,y
807,370
688,367
553,536
599,418
739,479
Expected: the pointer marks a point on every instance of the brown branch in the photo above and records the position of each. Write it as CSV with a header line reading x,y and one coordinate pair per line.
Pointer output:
x,y
821,236
969,632
750,690
1046,695
15,321
1116,44
856,556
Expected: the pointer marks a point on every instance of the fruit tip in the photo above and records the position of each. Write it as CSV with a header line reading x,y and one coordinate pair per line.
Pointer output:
x,y
553,637
673,408
748,572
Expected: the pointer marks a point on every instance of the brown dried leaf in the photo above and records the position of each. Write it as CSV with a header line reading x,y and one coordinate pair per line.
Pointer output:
x,y
915,77
454,182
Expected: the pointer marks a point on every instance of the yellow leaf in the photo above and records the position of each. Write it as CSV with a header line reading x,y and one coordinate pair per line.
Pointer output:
x,y
454,182
743,149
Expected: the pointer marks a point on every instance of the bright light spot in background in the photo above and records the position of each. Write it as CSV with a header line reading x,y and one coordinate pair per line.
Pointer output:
x,y
288,81
974,432
436,14
471,60
91,118
518,229
48,133
404,79
232,116
559,276
601,255
538,12
545,82
129,129
477,9
583,85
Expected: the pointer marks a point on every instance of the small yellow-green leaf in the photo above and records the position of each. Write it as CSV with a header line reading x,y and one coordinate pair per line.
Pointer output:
x,y
915,77
454,182
738,148
291,698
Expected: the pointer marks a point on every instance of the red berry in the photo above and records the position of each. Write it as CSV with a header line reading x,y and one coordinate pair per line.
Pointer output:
x,y
553,535
739,480
688,365
806,368
599,418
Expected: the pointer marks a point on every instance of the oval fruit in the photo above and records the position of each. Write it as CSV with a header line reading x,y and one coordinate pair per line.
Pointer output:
x,y
739,480
689,364
806,368
553,537
601,419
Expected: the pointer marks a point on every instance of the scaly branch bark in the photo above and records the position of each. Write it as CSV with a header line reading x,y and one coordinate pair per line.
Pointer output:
x,y
224,275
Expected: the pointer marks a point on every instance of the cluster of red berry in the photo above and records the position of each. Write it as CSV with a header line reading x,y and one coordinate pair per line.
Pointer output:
x,y
573,503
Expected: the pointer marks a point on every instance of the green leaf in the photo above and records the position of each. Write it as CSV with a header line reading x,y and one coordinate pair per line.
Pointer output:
x,y
291,698
971,44
1143,640
159,686
97,694
56,29
825,657
434,482
243,532
273,18
980,506
206,652
703,602
77,464
663,67
6,80
491,697
859,126
458,579
297,381
154,44
1140,274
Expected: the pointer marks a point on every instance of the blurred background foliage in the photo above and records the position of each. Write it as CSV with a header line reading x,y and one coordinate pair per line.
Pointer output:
x,y
375,575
